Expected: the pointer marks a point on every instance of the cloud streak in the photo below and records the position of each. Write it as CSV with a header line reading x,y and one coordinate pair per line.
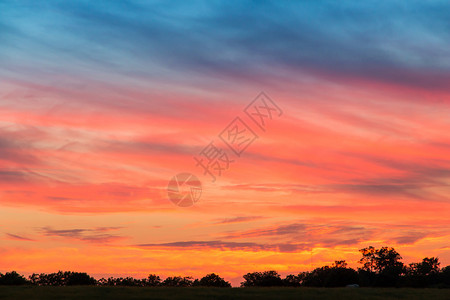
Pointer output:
x,y
18,237
96,235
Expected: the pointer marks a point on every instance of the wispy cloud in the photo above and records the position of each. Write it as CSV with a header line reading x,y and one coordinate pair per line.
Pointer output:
x,y
224,245
95,235
217,27
241,219
18,237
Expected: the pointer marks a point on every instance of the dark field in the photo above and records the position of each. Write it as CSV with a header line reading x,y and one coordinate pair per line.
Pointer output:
x,y
86,293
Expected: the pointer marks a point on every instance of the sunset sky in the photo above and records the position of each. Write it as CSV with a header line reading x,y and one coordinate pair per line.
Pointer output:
x,y
102,103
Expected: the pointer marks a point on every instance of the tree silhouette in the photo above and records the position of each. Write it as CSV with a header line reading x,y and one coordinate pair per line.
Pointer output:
x,y
152,280
267,278
369,259
379,260
62,278
335,275
12,278
178,281
427,267
121,281
213,280
340,264
444,277
423,274
293,280
380,267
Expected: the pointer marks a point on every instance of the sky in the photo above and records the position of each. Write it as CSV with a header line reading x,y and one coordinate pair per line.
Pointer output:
x,y
103,103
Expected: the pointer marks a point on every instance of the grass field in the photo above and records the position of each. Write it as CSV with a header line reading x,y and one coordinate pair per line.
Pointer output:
x,y
87,293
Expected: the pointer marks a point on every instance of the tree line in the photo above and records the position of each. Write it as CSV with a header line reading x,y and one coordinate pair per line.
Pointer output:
x,y
379,268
